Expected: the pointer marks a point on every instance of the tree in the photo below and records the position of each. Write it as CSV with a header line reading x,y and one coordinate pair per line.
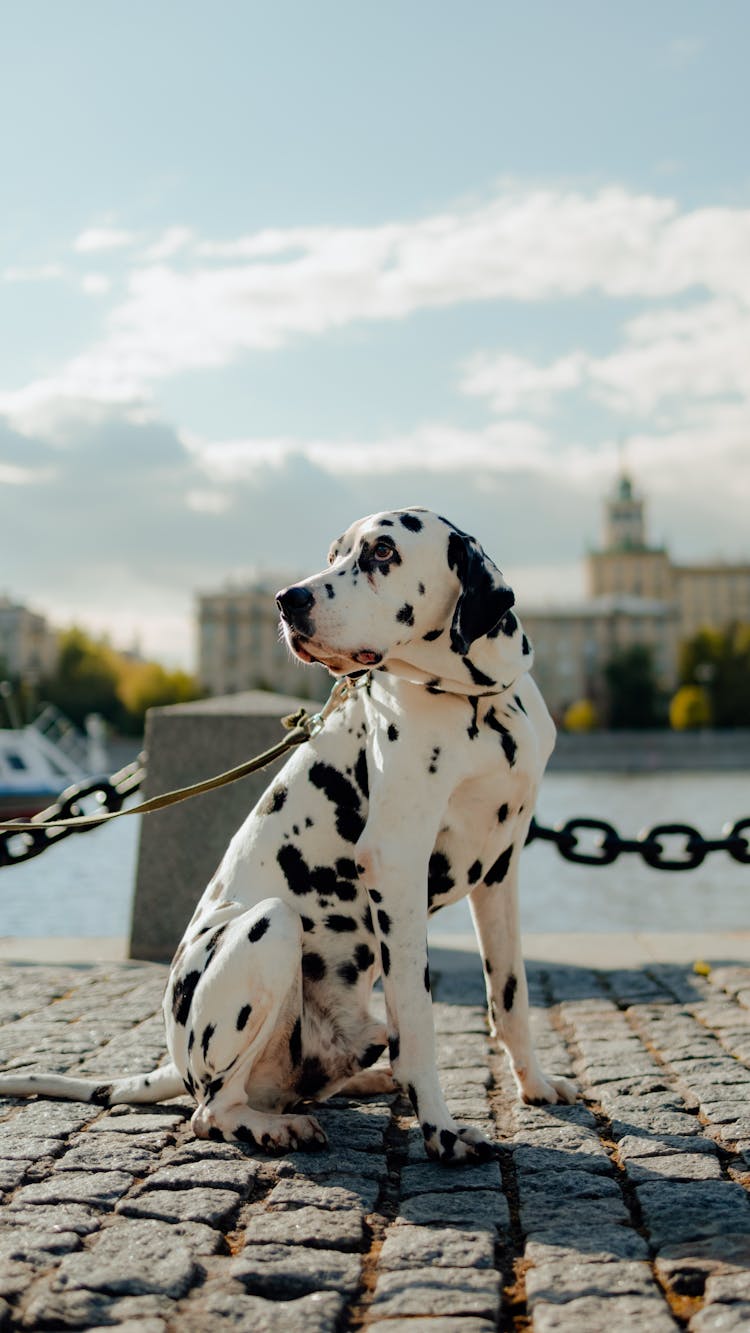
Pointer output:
x,y
690,708
635,699
720,661
144,685
580,716
85,680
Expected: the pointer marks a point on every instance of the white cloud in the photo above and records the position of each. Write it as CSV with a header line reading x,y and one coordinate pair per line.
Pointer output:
x,y
40,273
277,285
170,243
97,239
96,284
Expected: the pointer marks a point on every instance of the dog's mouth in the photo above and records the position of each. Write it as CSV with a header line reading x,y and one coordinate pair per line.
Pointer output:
x,y
338,663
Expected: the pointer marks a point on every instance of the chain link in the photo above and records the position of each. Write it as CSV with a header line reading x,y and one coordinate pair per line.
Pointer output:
x,y
609,845
109,794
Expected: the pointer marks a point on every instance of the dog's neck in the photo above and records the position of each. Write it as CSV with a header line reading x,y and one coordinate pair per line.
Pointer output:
x,y
492,664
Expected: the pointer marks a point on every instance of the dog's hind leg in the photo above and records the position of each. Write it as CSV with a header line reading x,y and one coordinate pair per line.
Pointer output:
x,y
494,907
234,1022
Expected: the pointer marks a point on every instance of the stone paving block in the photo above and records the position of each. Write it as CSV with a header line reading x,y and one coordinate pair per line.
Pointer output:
x,y
107,1153
576,1241
559,1280
654,1124
721,1319
228,1307
64,1217
238,1174
85,1309
54,1120
676,1212
360,1133
212,1206
592,1314
98,1189
333,1162
282,1272
408,1247
134,1122
318,1227
675,1166
437,1291
131,1259
481,1209
685,1269
636,1146
532,1160
338,1193
429,1177
453,1324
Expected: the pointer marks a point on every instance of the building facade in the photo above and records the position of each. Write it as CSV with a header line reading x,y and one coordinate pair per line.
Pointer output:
x,y
240,645
636,595
28,645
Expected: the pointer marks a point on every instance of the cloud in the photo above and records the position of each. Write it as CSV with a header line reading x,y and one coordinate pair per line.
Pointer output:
x,y
40,273
95,240
226,300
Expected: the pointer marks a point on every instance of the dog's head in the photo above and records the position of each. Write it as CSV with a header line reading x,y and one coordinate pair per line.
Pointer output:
x,y
406,591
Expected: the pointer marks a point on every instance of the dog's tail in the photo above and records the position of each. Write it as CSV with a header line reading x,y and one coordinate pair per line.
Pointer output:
x,y
157,1086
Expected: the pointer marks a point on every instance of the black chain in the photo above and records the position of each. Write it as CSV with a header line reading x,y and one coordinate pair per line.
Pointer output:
x,y
111,793
34,838
608,845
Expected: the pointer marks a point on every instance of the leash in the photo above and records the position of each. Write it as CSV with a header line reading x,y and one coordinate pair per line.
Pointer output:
x,y
299,726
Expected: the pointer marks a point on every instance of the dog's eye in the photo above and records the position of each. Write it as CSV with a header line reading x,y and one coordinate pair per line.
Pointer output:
x,y
383,551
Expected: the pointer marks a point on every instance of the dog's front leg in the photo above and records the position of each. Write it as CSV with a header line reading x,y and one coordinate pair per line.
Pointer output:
x,y
494,907
394,871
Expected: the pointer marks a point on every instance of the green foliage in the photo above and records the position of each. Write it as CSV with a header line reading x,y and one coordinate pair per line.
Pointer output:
x,y
635,700
719,660
690,708
92,678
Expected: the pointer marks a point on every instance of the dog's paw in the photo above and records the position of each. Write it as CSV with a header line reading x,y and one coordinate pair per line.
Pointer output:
x,y
461,1145
538,1088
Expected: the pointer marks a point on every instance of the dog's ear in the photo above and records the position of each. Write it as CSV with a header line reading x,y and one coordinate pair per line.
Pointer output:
x,y
484,597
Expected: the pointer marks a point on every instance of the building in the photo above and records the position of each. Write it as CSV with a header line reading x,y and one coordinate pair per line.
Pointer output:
x,y
240,645
636,595
28,645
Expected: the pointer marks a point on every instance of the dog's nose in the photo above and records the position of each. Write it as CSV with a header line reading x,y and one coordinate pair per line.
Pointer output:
x,y
294,602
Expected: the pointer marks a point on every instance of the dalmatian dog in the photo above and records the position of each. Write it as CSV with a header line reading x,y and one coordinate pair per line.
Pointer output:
x,y
418,790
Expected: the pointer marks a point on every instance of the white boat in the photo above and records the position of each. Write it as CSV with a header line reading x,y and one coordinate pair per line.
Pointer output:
x,y
38,761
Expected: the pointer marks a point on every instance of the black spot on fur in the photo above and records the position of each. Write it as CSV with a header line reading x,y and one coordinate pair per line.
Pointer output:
x,y
525,646
502,814
274,801
330,590
448,1143
427,977
341,924
392,732
101,1095
411,522
439,878
413,1098
295,1043
182,996
348,973
191,1041
208,1033
243,1017
342,794
474,873
385,958
385,523
295,868
433,764
477,676
363,957
313,966
212,1087
258,929
360,773
384,921
509,993
510,748
375,895
497,872
421,589
367,921
307,923
508,625
519,701
372,1054
431,635
243,1135
313,1077
488,967
394,1047
346,868
472,729
406,615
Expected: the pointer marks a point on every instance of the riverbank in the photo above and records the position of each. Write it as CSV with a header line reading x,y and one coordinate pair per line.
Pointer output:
x,y
652,751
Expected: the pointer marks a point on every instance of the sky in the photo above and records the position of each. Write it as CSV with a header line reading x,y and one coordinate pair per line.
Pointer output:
x,y
265,268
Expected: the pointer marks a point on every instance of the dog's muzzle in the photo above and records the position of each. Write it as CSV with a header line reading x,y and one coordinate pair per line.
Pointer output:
x,y
295,605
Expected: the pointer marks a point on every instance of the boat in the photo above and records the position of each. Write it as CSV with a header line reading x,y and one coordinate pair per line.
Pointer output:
x,y
40,759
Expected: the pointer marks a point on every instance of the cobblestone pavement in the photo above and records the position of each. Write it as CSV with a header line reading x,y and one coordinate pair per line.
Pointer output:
x,y
627,1211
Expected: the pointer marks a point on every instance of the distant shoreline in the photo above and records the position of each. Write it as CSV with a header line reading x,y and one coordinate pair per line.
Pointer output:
x,y
652,751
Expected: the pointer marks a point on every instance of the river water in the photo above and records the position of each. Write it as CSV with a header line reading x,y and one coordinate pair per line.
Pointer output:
x,y
84,886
